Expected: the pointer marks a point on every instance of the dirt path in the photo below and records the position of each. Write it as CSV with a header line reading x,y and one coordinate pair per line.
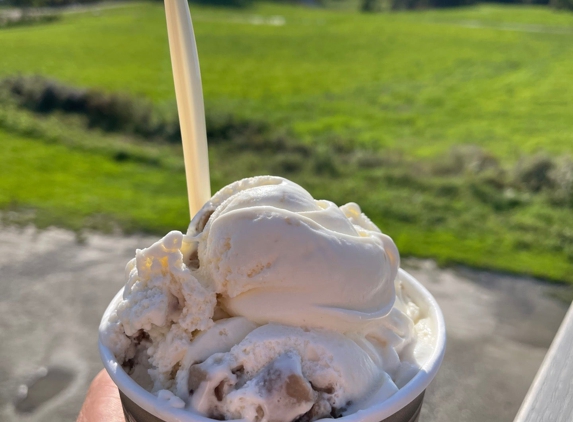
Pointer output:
x,y
54,291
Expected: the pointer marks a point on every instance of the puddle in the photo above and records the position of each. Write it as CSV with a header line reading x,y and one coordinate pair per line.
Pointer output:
x,y
43,386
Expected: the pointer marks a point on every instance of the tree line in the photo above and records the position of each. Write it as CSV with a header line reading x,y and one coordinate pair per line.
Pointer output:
x,y
375,5
45,3
365,5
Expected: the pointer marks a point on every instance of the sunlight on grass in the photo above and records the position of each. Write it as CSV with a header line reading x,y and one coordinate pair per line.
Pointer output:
x,y
417,81
67,187
410,85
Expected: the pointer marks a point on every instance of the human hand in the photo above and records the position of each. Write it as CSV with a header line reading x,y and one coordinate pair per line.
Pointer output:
x,y
102,403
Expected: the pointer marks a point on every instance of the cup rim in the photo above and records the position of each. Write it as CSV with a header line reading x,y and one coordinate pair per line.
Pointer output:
x,y
375,413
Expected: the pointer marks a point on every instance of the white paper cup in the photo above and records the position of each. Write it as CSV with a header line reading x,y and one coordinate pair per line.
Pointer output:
x,y
140,405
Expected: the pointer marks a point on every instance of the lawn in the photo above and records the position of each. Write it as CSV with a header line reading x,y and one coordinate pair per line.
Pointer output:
x,y
75,189
59,174
403,89
418,82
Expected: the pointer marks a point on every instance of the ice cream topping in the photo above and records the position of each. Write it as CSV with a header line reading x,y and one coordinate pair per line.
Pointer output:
x,y
273,307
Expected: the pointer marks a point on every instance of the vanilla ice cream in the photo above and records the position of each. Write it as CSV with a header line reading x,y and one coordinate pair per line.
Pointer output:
x,y
273,306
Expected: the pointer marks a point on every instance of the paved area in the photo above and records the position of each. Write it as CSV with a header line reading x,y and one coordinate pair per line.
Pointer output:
x,y
54,291
499,328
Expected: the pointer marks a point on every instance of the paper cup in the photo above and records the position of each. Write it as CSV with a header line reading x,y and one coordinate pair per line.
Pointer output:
x,y
140,405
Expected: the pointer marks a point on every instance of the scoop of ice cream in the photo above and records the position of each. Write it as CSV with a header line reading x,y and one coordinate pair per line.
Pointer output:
x,y
278,255
280,372
273,307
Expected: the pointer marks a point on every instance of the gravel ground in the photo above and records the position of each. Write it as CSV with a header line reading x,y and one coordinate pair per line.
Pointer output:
x,y
55,289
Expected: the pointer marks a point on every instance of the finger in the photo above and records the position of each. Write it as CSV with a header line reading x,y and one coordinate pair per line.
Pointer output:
x,y
102,402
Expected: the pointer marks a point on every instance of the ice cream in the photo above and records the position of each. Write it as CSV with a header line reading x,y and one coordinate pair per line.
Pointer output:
x,y
273,307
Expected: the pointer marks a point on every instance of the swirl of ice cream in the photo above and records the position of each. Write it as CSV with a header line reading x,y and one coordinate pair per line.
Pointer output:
x,y
278,255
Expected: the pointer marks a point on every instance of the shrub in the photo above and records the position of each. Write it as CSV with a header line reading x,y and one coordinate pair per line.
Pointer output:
x,y
26,19
534,173
225,3
425,4
109,112
370,6
46,3
561,4
496,199
325,161
222,127
287,164
465,159
562,177
123,113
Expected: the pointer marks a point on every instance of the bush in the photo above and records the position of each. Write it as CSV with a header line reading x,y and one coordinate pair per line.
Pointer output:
x,y
324,161
26,19
109,112
222,127
225,3
287,164
370,6
493,197
46,96
562,4
534,173
221,3
463,159
136,116
46,3
562,178
425,4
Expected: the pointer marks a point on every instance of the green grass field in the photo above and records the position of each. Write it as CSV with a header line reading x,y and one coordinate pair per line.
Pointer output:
x,y
60,179
403,88
417,81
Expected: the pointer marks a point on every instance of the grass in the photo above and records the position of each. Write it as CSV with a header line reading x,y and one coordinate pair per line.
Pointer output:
x,y
78,190
370,107
57,173
419,82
